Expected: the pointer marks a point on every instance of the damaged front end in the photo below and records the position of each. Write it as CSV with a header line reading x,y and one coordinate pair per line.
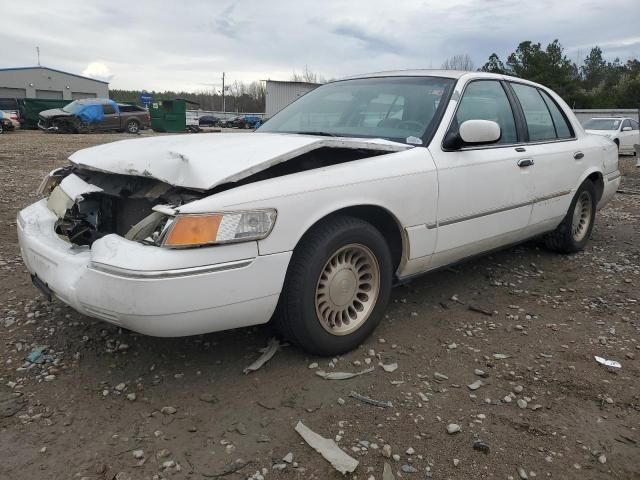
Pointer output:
x,y
91,204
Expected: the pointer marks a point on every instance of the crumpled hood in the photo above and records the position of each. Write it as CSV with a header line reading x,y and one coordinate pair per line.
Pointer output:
x,y
203,161
54,112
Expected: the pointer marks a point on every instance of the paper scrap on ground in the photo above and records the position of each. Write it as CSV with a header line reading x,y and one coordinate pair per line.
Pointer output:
x,y
267,354
608,363
328,449
390,368
341,375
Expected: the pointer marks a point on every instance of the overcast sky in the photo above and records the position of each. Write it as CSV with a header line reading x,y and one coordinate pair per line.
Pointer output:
x,y
158,45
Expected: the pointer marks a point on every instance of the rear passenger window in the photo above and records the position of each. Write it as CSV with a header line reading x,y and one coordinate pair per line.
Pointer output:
x,y
559,120
487,100
536,113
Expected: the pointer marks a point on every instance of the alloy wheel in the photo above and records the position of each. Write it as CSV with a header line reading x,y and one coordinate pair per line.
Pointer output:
x,y
347,289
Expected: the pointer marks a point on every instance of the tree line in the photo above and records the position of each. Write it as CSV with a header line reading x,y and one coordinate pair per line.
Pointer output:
x,y
593,83
239,97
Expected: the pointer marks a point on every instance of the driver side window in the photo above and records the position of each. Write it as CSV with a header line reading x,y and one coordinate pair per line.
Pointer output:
x,y
487,100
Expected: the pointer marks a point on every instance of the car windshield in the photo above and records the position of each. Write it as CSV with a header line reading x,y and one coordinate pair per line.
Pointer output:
x,y
72,107
602,124
393,108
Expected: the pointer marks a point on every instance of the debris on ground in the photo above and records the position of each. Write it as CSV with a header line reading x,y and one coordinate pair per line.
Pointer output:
x,y
342,375
387,474
267,354
608,363
37,355
481,446
370,401
328,449
475,385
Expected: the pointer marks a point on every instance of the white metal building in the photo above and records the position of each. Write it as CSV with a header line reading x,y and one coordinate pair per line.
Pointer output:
x,y
49,83
279,94
588,113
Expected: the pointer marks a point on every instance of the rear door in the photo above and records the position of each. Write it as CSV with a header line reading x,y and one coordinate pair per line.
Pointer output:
x,y
485,192
559,161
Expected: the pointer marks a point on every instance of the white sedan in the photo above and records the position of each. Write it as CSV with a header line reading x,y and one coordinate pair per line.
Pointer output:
x,y
624,132
358,185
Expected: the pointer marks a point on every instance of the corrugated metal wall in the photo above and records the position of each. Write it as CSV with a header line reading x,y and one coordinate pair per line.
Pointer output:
x,y
280,94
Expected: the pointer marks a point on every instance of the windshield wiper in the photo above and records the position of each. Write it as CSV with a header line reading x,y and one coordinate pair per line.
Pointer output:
x,y
320,134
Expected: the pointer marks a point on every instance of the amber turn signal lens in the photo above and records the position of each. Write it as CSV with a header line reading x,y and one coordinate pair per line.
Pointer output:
x,y
191,230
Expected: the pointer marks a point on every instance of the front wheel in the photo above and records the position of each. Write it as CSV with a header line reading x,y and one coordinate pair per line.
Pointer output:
x,y
574,232
337,286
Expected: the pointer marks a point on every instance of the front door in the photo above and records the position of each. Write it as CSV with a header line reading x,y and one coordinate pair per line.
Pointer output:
x,y
485,192
111,118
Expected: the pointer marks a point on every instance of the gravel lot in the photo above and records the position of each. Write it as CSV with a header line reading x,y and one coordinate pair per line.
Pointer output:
x,y
109,403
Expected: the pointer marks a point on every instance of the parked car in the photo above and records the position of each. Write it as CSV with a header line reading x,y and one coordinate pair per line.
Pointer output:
x,y
8,121
313,218
624,132
243,121
208,121
93,114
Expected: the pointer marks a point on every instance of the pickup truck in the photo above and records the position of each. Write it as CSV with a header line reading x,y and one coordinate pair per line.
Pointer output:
x,y
95,114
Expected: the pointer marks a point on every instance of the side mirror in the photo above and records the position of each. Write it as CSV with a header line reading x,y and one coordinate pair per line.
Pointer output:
x,y
626,129
473,132
479,131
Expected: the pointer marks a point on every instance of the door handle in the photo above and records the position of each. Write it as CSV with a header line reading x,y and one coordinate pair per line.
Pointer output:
x,y
525,162
521,149
578,155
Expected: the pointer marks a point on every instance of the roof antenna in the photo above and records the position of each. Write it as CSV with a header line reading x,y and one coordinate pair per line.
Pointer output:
x,y
38,52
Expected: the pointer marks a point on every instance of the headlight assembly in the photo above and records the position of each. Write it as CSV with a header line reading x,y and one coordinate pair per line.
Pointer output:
x,y
192,230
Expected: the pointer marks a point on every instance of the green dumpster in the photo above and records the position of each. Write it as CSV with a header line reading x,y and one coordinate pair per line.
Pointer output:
x,y
169,115
30,108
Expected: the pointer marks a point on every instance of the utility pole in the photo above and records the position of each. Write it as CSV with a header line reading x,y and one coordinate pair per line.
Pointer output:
x,y
38,53
223,99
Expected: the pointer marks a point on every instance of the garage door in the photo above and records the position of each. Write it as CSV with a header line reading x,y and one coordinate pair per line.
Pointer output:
x,y
77,95
6,92
49,94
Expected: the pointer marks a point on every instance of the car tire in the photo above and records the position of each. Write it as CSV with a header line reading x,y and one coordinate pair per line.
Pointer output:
x,y
337,286
133,127
573,234
1,129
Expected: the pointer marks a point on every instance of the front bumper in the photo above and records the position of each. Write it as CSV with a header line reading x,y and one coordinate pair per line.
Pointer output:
x,y
152,290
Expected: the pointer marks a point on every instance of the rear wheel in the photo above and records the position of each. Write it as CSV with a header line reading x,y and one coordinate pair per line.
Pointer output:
x,y
1,129
132,126
575,230
337,286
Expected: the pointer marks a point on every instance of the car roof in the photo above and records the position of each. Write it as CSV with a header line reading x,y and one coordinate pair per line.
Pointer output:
x,y
453,74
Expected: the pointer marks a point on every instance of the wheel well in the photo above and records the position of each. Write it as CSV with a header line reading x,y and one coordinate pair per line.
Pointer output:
x,y
380,218
598,182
